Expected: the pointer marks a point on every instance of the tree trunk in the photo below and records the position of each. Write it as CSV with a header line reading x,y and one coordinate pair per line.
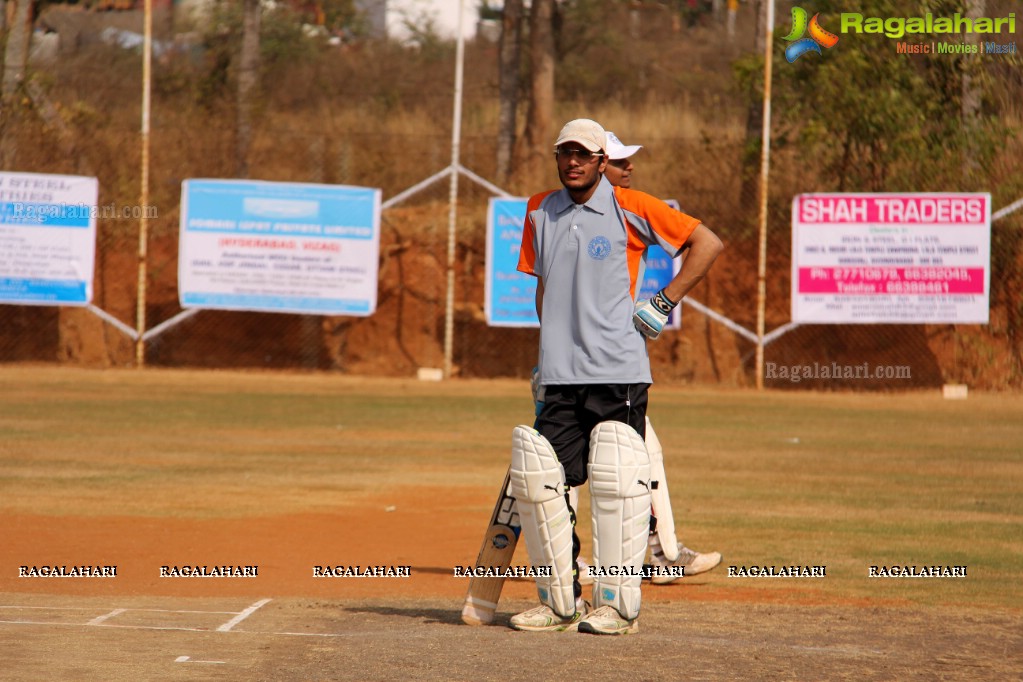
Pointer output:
x,y
749,192
248,79
15,62
970,98
16,54
508,85
539,137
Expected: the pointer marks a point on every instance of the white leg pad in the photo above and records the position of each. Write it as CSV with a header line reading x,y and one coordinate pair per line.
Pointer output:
x,y
619,472
659,499
538,485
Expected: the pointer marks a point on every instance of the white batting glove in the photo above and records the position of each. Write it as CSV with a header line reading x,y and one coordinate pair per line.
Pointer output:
x,y
651,315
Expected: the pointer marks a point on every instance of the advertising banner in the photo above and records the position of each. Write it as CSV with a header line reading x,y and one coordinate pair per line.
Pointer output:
x,y
891,258
47,238
279,247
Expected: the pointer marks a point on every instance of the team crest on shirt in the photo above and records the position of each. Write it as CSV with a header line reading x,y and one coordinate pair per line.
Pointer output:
x,y
599,248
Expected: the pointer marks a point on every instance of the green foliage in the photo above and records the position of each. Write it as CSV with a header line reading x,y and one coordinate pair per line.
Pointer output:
x,y
283,43
594,61
341,15
875,120
488,13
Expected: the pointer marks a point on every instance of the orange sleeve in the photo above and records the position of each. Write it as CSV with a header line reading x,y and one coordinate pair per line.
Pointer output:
x,y
672,226
527,250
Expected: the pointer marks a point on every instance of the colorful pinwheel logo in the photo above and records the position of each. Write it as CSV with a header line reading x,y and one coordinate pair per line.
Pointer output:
x,y
819,37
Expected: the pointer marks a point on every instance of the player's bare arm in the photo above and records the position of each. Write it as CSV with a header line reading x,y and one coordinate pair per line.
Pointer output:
x,y
652,314
704,247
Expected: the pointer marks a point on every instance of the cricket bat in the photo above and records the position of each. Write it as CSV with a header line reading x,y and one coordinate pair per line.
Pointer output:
x,y
496,555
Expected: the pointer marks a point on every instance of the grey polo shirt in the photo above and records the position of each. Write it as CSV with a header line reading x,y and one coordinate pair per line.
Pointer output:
x,y
587,335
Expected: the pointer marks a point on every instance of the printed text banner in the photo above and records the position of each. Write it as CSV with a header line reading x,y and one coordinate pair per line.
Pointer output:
x,y
891,258
47,238
510,296
279,247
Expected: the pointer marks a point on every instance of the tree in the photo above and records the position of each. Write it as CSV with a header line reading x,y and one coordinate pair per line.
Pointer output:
x,y
16,53
539,117
248,79
15,63
750,163
868,121
970,90
508,85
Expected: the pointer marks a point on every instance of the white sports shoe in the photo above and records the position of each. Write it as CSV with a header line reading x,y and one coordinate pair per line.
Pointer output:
x,y
694,563
543,618
607,621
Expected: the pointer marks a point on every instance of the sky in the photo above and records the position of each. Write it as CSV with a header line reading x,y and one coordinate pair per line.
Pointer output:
x,y
444,12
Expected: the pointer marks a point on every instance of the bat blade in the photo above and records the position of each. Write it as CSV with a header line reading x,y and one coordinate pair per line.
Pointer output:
x,y
485,591
495,556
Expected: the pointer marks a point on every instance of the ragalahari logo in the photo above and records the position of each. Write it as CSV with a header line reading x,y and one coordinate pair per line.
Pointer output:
x,y
819,37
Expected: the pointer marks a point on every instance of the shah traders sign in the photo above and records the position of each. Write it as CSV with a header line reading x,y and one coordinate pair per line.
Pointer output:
x,y
891,258
47,238
279,247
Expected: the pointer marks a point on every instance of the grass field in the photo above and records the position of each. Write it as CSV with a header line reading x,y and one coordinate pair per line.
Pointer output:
x,y
141,469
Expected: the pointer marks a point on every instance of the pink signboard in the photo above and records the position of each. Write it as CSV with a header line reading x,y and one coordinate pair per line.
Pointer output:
x,y
891,258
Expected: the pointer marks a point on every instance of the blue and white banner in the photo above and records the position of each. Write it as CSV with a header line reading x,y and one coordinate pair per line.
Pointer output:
x,y
279,247
510,296
47,238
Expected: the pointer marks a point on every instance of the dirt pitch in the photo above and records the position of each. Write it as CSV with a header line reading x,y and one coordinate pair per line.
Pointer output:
x,y
286,625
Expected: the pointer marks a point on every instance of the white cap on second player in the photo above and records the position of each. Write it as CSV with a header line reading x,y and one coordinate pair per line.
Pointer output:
x,y
616,150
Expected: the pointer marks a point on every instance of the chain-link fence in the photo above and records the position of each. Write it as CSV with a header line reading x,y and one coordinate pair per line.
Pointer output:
x,y
391,129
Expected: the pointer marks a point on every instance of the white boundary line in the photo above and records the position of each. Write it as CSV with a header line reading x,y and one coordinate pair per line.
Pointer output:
x,y
226,627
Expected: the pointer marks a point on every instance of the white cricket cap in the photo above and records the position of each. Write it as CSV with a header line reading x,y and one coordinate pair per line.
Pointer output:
x,y
616,150
586,132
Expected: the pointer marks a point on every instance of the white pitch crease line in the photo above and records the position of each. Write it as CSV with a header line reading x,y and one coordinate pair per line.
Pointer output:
x,y
109,625
226,627
188,659
98,620
251,633
231,613
44,608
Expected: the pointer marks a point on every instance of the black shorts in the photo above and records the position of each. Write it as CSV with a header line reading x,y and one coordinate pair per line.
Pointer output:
x,y
570,413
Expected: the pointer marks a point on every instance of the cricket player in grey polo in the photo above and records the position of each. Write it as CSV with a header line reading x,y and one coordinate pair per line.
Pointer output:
x,y
585,244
